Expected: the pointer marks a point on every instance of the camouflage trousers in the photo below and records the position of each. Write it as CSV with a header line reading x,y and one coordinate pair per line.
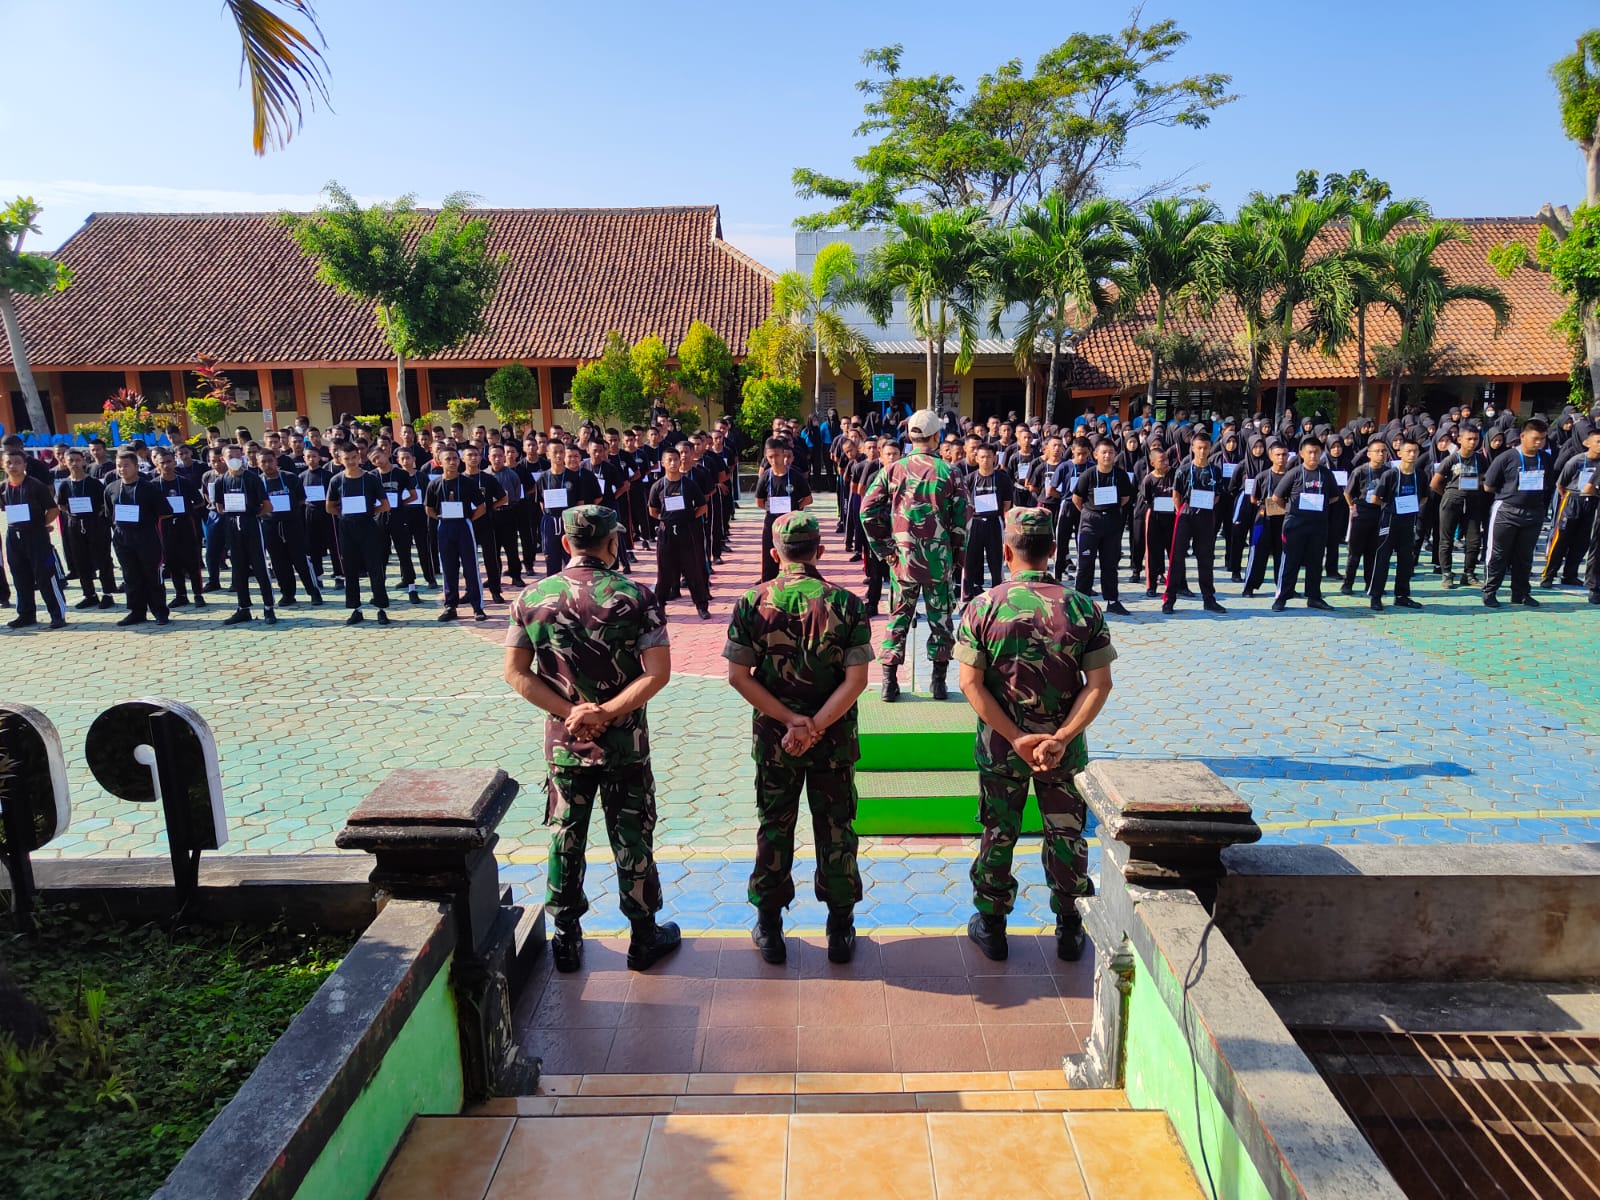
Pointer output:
x,y
936,598
1001,798
831,793
628,798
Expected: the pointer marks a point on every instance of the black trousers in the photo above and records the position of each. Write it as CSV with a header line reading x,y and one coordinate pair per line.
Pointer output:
x,y
983,548
1240,528
247,551
286,548
1136,540
506,531
321,541
1157,537
1363,549
139,557
400,531
680,555
1195,527
1066,535
33,567
876,573
528,531
88,546
1268,544
1511,546
1462,513
1399,545
769,569
458,560
1427,532
1099,544
555,557
1305,540
1338,523
489,546
364,547
1569,541
180,554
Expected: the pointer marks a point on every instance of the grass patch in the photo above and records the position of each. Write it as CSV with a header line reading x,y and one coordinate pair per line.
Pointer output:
x,y
154,1030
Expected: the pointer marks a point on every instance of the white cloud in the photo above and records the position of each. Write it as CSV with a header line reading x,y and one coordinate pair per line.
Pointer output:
x,y
772,245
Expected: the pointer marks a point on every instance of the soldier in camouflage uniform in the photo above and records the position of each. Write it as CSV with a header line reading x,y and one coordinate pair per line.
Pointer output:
x,y
589,646
797,650
915,519
1036,666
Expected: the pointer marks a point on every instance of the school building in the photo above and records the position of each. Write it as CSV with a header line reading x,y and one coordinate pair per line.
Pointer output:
x,y
151,290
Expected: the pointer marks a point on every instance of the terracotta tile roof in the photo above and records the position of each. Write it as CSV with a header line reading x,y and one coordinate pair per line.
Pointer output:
x,y
150,289
1108,358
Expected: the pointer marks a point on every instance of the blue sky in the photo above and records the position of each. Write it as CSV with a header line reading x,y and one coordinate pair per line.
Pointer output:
x,y
111,105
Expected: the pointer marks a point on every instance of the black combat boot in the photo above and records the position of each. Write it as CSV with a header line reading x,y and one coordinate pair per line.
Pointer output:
x,y
989,932
767,934
939,689
1069,937
841,935
651,943
566,948
891,684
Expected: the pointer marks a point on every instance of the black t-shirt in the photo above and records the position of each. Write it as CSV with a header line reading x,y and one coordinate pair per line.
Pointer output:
x,y
245,483
1521,484
997,485
462,488
1093,478
88,492
37,498
1306,491
676,519
367,487
793,484
142,500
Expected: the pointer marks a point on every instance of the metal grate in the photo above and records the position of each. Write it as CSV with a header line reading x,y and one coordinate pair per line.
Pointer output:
x,y
1456,1115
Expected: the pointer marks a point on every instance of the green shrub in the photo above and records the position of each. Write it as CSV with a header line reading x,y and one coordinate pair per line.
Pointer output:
x,y
513,393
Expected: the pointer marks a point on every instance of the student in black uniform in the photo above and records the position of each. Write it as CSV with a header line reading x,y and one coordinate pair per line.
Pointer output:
x,y
1337,460
1521,482
1400,489
1157,510
30,508
1102,495
284,529
1366,515
1063,483
1575,514
357,501
1198,487
134,506
87,534
990,494
408,527
1241,504
678,505
241,503
1458,480
321,543
1266,542
779,490
454,502
486,532
1304,490
179,529
508,518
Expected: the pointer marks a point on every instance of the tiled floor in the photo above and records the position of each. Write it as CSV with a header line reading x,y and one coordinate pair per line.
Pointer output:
x,y
1099,1155
919,1003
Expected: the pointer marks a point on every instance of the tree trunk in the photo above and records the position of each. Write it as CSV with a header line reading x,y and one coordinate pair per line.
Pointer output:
x,y
936,397
19,361
1591,164
1282,406
1155,359
1050,388
1591,347
1027,393
816,386
401,416
1252,387
1361,360
1394,394
927,352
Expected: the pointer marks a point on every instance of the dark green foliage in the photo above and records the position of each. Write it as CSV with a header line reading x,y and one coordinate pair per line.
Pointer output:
x,y
153,1033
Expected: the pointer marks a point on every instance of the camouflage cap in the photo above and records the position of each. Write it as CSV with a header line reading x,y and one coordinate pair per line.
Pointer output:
x,y
796,527
587,522
1030,522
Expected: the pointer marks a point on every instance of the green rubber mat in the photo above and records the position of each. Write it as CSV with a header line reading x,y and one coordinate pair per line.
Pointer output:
x,y
916,734
924,802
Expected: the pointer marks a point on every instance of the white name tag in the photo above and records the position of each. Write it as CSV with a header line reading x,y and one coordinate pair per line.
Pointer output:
x,y
1468,483
177,504
16,514
1022,470
80,505
1531,481
1164,504
1202,499
233,502
416,499
778,504
674,503
352,506
986,502
1228,469
555,497
451,510
279,501
1311,502
125,514
1585,477
1106,495
1405,504
1342,478
316,493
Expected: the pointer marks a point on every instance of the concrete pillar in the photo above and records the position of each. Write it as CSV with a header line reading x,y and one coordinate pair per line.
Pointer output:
x,y
58,402
300,407
8,384
180,408
546,400
424,398
269,414
1514,402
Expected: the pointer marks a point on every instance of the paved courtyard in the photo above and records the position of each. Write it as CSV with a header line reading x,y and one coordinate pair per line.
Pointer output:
x,y
1453,724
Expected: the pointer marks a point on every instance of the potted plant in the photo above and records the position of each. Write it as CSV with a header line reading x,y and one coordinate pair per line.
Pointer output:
x,y
213,407
129,410
513,394
464,410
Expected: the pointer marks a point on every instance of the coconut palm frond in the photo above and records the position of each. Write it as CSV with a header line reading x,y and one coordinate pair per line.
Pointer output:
x,y
280,62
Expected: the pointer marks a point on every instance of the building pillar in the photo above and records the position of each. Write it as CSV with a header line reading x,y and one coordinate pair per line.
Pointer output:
x,y
424,392
180,407
58,403
1383,403
8,418
269,415
546,400
1514,402
300,407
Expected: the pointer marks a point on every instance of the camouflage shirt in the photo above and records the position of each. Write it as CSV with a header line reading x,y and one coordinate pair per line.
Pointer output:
x,y
800,632
1033,639
588,628
915,517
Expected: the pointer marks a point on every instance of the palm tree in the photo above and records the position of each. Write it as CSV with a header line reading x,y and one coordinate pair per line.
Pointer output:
x,y
1060,263
940,263
812,305
1370,225
1246,279
26,275
278,60
1190,358
1313,293
1176,259
1417,290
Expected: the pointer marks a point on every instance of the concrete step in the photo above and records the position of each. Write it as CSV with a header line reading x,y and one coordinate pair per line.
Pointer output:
x,y
916,733
925,801
1100,1155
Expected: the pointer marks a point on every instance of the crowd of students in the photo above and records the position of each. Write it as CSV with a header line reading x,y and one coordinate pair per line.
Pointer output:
x,y
286,513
